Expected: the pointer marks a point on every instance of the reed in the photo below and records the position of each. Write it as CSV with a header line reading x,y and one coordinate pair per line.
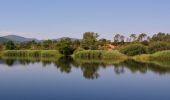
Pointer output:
x,y
158,56
30,53
99,54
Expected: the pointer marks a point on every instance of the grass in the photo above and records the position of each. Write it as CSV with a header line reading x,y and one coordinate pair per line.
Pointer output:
x,y
162,55
86,55
99,54
31,53
158,56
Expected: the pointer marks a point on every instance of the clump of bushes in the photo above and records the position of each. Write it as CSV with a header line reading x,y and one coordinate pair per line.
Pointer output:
x,y
162,55
158,46
78,50
99,54
134,49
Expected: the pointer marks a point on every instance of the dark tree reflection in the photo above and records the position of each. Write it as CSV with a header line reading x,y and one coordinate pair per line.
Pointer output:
x,y
90,68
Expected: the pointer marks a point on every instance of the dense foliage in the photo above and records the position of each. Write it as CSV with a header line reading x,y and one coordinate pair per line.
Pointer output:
x,y
99,54
133,49
89,40
132,45
10,45
158,46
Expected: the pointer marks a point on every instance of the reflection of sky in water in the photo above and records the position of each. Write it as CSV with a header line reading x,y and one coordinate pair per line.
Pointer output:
x,y
35,81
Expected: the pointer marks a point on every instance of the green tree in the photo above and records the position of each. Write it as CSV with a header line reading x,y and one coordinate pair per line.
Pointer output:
x,y
89,40
10,45
133,37
65,46
47,44
141,37
122,39
161,37
117,38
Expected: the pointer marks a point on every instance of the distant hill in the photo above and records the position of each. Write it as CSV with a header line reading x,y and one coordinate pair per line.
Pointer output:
x,y
3,39
17,38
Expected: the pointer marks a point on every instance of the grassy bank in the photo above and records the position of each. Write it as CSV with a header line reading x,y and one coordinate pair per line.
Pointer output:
x,y
158,56
99,54
30,53
86,55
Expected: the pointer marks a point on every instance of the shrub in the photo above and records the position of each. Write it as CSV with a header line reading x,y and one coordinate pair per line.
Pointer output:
x,y
158,46
78,50
99,54
134,49
50,53
161,55
10,45
66,51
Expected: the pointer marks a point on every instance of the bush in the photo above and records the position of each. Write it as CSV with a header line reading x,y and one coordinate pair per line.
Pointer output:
x,y
50,53
134,49
66,51
158,46
78,50
10,45
161,55
99,54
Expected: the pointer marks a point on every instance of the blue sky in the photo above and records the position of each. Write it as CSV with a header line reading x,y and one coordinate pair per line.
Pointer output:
x,y
45,19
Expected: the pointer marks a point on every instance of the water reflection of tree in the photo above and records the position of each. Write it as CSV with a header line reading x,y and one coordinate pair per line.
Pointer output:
x,y
10,62
90,70
64,64
135,66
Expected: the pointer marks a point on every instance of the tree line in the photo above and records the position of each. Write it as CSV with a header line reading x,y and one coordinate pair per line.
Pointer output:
x,y
90,41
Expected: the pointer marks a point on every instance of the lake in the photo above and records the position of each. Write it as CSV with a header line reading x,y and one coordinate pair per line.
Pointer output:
x,y
68,79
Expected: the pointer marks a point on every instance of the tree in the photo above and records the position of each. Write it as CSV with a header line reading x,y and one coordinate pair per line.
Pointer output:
x,y
160,37
89,40
117,38
47,44
141,37
10,45
122,38
65,46
133,37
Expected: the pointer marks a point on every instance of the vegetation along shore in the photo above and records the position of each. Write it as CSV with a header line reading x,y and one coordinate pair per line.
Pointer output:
x,y
137,47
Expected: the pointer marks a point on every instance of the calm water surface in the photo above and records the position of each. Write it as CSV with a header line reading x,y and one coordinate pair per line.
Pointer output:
x,y
67,79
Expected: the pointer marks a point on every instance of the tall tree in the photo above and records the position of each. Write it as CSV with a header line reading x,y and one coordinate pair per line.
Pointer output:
x,y
141,37
89,40
65,46
122,38
161,37
117,38
133,37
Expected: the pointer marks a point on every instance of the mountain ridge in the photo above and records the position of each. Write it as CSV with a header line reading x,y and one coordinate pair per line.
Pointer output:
x,y
17,38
